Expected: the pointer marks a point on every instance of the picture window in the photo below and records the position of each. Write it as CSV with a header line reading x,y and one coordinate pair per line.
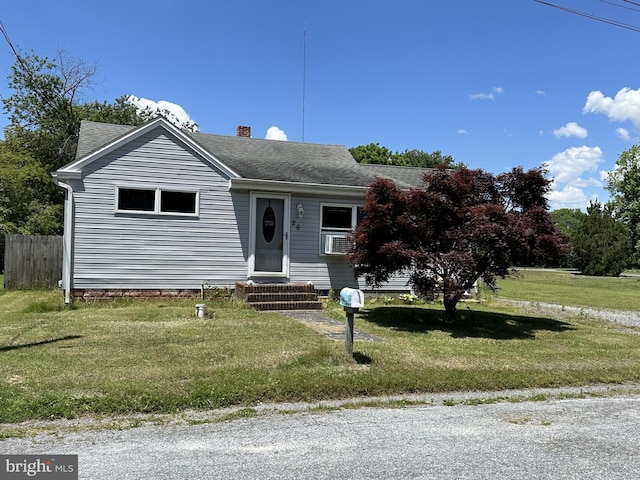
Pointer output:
x,y
156,201
135,199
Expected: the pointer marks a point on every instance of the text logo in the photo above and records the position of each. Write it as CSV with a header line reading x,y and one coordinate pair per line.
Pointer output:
x,y
49,467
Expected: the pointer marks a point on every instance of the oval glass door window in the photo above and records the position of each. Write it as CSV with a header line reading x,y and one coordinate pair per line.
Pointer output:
x,y
268,224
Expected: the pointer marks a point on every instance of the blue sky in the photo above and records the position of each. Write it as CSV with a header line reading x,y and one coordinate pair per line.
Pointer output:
x,y
496,84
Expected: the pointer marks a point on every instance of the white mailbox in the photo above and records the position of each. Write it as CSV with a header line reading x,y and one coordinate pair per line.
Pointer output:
x,y
351,298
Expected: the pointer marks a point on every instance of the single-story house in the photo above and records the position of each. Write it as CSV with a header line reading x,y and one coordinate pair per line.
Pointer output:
x,y
153,208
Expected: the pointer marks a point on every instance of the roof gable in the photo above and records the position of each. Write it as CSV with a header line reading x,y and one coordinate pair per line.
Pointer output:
x,y
98,139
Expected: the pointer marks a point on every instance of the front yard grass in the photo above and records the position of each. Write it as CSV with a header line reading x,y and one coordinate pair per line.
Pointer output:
x,y
156,356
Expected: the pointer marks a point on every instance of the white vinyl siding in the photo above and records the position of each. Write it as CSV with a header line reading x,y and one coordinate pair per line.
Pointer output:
x,y
129,250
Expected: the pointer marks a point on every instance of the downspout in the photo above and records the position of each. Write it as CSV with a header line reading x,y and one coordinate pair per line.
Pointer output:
x,y
66,237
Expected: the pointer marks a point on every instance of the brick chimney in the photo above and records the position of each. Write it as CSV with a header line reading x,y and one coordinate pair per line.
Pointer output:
x,y
242,131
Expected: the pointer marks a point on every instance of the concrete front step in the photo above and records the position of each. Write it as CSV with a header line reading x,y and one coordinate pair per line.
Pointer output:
x,y
278,296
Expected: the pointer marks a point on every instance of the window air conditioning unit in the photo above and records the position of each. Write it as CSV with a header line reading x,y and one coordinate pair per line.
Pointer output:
x,y
336,244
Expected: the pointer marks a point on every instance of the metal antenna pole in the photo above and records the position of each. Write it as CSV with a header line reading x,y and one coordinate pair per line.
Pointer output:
x,y
304,76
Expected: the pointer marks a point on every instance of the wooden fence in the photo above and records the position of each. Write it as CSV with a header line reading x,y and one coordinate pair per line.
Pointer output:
x,y
32,261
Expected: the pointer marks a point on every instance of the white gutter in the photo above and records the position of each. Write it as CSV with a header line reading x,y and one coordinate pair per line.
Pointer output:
x,y
66,238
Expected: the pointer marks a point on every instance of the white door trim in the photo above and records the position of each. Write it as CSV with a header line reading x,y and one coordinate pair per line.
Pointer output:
x,y
253,231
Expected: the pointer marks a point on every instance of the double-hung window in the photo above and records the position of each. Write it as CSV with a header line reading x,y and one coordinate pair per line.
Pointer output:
x,y
158,201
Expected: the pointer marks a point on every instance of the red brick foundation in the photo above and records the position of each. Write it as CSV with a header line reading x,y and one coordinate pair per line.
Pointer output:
x,y
81,294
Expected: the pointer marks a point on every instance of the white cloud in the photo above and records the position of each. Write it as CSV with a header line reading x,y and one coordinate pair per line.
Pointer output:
x,y
172,111
624,106
487,96
274,133
568,197
623,133
541,92
571,164
571,129
462,131
573,171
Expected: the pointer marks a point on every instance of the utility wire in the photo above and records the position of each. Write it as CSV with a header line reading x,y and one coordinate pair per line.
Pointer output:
x,y
594,17
5,34
28,72
620,6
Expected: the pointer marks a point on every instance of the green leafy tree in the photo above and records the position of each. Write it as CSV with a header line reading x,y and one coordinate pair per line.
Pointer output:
x,y
374,153
567,221
422,159
121,112
623,184
29,201
601,245
49,101
463,225
42,111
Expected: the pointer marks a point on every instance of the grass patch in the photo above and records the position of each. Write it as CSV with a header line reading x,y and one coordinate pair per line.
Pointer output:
x,y
243,413
567,288
137,356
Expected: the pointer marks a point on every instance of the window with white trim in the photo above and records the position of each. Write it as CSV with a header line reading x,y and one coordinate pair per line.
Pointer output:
x,y
336,222
340,217
157,201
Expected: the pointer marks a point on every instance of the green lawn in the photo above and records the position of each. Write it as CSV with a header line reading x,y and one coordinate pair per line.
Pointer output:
x,y
566,288
134,356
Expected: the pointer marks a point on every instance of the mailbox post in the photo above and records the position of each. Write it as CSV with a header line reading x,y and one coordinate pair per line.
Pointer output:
x,y
352,300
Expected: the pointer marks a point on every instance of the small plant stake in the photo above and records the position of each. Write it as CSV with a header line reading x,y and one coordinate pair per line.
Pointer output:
x,y
351,299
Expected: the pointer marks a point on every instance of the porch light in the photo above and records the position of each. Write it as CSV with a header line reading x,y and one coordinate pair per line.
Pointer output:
x,y
300,210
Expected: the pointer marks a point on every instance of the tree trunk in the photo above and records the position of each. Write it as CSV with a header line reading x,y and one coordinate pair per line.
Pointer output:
x,y
450,312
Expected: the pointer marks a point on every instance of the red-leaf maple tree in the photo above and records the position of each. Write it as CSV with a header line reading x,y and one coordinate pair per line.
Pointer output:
x,y
461,226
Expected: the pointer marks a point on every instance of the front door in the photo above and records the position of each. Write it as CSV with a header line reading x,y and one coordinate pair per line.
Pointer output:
x,y
269,256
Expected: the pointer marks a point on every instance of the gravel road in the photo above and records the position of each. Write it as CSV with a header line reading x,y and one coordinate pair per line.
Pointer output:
x,y
587,438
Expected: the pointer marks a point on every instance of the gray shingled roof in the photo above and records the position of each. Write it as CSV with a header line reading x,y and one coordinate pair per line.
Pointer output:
x,y
94,135
259,159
